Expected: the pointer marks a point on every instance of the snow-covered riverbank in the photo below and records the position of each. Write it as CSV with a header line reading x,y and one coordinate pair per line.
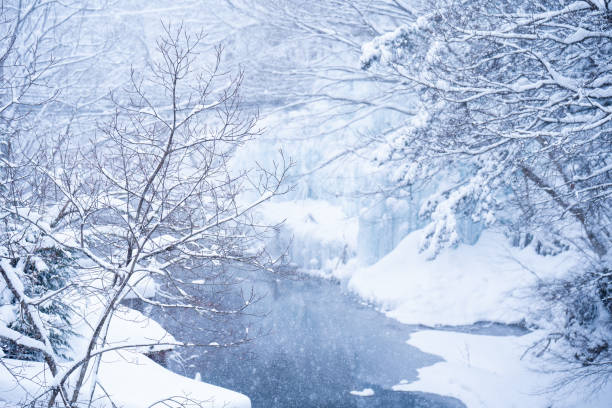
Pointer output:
x,y
126,377
495,372
490,281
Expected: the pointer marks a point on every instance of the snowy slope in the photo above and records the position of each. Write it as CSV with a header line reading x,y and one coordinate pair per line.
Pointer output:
x,y
464,285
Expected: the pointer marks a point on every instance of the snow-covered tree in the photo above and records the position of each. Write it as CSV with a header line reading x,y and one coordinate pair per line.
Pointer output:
x,y
517,103
516,91
151,203
48,270
33,50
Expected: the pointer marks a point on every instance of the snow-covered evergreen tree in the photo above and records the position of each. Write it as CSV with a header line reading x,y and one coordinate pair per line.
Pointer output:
x,y
44,272
517,103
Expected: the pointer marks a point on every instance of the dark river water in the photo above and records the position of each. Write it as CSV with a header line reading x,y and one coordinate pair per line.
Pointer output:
x,y
313,345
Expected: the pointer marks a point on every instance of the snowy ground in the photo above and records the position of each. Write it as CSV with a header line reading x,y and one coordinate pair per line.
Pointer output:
x,y
130,379
493,372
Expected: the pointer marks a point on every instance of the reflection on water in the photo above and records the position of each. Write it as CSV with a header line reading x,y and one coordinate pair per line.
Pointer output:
x,y
314,345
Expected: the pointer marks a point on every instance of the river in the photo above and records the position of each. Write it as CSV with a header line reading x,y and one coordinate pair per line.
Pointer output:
x,y
314,344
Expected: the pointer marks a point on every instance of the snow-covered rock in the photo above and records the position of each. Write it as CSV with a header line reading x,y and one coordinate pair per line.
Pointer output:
x,y
366,392
129,327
